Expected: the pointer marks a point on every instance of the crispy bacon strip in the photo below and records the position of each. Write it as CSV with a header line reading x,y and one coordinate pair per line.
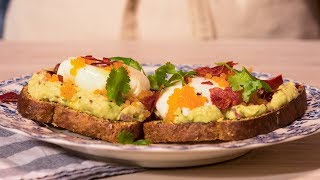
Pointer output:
x,y
207,82
55,70
214,71
9,97
150,101
89,57
60,78
104,62
263,94
275,82
225,98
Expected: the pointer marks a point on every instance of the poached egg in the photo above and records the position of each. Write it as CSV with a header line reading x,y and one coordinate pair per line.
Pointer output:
x,y
93,78
195,94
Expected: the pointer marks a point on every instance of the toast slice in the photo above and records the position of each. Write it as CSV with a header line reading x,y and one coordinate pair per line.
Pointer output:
x,y
75,121
30,108
227,130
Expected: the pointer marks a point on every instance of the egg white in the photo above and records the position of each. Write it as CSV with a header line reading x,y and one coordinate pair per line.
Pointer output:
x,y
92,78
204,89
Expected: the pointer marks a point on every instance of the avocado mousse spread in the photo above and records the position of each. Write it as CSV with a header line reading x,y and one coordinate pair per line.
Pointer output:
x,y
118,100
218,93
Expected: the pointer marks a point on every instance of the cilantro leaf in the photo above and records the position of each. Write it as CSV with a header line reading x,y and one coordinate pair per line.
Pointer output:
x,y
118,85
180,75
128,61
229,65
160,75
126,137
243,80
142,142
154,84
159,78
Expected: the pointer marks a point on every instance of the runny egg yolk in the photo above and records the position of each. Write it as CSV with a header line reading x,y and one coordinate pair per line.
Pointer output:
x,y
185,97
76,65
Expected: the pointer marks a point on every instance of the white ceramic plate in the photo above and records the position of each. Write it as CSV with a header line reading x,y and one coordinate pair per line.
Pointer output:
x,y
159,155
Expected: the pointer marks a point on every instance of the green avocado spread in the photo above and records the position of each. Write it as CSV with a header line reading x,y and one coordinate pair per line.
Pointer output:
x,y
200,114
208,113
99,105
85,101
284,95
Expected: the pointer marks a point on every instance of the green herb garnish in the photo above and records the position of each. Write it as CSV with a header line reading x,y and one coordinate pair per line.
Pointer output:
x,y
126,137
159,78
128,61
243,80
142,142
118,85
225,64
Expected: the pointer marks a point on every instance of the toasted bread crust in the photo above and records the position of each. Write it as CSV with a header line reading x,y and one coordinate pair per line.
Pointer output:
x,y
92,126
33,109
73,120
228,130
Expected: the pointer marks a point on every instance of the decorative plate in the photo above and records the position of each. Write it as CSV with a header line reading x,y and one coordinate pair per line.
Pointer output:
x,y
158,155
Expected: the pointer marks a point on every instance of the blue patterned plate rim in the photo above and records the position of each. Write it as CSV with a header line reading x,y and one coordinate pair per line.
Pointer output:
x,y
11,120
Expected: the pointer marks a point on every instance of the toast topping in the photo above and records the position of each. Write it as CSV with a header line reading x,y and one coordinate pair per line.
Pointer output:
x,y
91,74
275,82
118,85
159,79
234,93
221,79
248,84
93,103
185,97
284,95
215,71
224,98
84,84
76,65
67,90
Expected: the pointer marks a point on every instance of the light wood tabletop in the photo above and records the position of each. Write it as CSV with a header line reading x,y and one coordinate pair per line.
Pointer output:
x,y
298,60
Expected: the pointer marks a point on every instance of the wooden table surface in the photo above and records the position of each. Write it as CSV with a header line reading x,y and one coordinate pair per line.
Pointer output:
x,y
298,60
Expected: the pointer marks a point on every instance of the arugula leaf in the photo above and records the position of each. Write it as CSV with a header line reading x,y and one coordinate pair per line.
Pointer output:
x,y
128,61
118,85
126,137
243,80
159,78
